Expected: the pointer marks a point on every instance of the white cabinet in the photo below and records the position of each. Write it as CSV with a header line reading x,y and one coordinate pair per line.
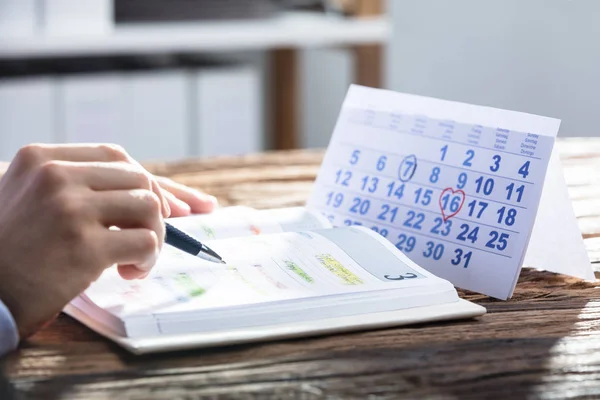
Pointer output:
x,y
27,114
145,112
227,111
156,115
18,18
76,17
91,108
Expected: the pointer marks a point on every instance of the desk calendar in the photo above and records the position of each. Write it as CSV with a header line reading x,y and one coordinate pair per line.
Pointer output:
x,y
454,186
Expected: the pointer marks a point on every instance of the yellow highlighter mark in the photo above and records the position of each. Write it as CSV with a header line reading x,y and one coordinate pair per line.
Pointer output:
x,y
338,269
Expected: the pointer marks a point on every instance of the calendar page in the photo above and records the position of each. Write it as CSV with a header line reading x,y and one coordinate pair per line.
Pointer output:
x,y
454,186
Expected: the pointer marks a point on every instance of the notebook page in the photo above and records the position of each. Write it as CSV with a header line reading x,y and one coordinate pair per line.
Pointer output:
x,y
270,271
241,221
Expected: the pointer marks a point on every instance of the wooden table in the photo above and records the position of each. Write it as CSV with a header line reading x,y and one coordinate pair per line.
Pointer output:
x,y
543,343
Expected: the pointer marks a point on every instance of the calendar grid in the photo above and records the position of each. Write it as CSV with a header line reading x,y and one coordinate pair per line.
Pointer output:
x,y
437,163
457,198
413,207
436,238
338,164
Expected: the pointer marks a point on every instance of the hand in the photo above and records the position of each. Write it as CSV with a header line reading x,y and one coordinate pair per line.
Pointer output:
x,y
57,205
184,200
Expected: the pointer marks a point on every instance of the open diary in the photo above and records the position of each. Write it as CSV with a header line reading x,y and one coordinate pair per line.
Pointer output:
x,y
288,273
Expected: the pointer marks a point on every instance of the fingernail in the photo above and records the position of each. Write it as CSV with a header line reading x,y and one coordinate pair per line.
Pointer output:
x,y
166,208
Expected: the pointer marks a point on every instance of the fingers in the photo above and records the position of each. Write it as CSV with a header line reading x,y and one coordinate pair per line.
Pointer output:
x,y
178,207
197,201
75,152
100,176
39,154
134,250
131,272
164,204
137,247
130,209
119,176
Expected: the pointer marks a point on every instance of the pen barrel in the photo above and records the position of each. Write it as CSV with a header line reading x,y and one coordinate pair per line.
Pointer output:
x,y
182,241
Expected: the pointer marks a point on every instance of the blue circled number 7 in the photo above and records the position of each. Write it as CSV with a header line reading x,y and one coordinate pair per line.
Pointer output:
x,y
407,168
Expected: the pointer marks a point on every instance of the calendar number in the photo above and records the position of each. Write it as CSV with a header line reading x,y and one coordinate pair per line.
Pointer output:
x,y
335,199
408,275
484,185
498,241
343,177
519,191
496,166
444,150
370,183
467,234
387,213
349,222
470,154
460,257
436,251
477,208
452,201
524,170
506,217
406,243
360,206
435,175
437,227
414,220
395,190
462,180
381,163
423,196
354,157
383,232
407,168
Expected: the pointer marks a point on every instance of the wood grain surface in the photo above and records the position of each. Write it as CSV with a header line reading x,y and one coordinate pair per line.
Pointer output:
x,y
543,343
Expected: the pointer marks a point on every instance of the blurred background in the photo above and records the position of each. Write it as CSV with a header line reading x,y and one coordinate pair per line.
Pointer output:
x,y
171,79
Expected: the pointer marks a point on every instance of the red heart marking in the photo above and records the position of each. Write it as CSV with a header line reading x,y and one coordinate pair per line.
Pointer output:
x,y
453,193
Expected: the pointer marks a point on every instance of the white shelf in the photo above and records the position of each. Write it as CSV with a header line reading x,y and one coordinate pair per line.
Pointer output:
x,y
296,30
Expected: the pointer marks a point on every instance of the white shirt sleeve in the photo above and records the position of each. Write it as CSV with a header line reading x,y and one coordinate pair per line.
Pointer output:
x,y
9,335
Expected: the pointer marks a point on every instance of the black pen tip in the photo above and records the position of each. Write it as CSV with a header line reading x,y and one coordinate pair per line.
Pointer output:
x,y
208,250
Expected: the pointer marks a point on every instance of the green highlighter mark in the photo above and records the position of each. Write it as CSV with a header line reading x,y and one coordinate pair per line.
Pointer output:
x,y
208,231
298,271
192,288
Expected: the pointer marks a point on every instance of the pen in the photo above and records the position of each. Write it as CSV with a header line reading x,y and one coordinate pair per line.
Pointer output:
x,y
184,242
